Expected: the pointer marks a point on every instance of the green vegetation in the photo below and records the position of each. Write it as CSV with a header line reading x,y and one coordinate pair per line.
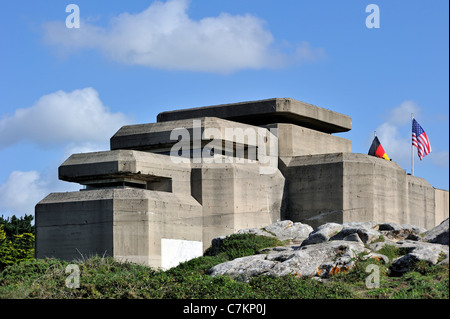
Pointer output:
x,y
103,277
16,226
16,240
424,281
239,245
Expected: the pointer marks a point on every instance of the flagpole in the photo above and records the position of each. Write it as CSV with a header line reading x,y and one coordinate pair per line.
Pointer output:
x,y
412,148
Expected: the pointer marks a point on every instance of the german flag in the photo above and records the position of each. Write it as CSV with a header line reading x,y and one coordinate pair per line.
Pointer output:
x,y
377,150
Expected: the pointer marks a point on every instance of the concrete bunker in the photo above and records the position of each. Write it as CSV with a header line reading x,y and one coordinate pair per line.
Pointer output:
x,y
158,199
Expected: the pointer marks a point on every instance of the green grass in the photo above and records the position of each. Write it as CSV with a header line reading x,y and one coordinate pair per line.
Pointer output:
x,y
239,245
106,278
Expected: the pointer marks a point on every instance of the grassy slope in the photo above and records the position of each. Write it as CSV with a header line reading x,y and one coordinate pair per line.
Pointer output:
x,y
106,278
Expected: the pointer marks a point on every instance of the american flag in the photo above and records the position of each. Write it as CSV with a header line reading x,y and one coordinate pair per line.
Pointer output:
x,y
420,140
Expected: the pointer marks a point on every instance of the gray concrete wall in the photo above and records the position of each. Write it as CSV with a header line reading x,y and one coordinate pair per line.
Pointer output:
x,y
128,224
346,187
295,140
314,188
442,205
380,190
74,223
236,196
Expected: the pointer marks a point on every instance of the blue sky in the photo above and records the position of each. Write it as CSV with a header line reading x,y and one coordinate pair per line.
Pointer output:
x,y
69,90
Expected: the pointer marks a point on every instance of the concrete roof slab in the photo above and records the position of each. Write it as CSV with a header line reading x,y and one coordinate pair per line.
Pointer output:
x,y
261,112
81,168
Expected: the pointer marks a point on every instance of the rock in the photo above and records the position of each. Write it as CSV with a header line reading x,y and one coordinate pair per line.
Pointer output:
x,y
438,234
444,261
424,251
332,248
329,258
288,230
416,251
283,230
256,231
376,246
322,233
368,225
403,264
243,268
396,232
321,260
216,242
376,256
353,237
365,231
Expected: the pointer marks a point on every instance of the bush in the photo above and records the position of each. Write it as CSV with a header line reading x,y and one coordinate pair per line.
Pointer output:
x,y
15,247
17,226
241,245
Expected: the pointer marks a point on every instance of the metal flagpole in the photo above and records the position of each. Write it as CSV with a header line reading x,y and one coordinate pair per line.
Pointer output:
x,y
412,147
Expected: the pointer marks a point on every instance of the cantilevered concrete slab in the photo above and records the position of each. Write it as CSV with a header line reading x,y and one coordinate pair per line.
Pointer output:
x,y
160,137
110,168
277,110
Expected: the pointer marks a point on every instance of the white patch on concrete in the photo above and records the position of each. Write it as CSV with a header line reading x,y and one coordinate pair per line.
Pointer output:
x,y
176,251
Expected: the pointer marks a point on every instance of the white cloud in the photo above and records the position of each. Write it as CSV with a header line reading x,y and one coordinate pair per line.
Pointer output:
x,y
401,115
395,133
21,191
86,147
395,136
391,133
396,144
59,118
164,36
440,158
74,122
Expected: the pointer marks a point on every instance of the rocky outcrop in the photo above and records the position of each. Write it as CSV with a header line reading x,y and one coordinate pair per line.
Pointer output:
x,y
415,251
314,260
332,248
401,231
438,234
283,230
322,233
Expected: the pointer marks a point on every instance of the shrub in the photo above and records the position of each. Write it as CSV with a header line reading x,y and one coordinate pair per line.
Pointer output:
x,y
16,226
241,245
16,240
19,249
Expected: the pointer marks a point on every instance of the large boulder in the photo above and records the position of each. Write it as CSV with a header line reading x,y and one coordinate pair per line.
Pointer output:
x,y
283,230
320,260
366,232
397,232
438,234
288,230
322,233
416,251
